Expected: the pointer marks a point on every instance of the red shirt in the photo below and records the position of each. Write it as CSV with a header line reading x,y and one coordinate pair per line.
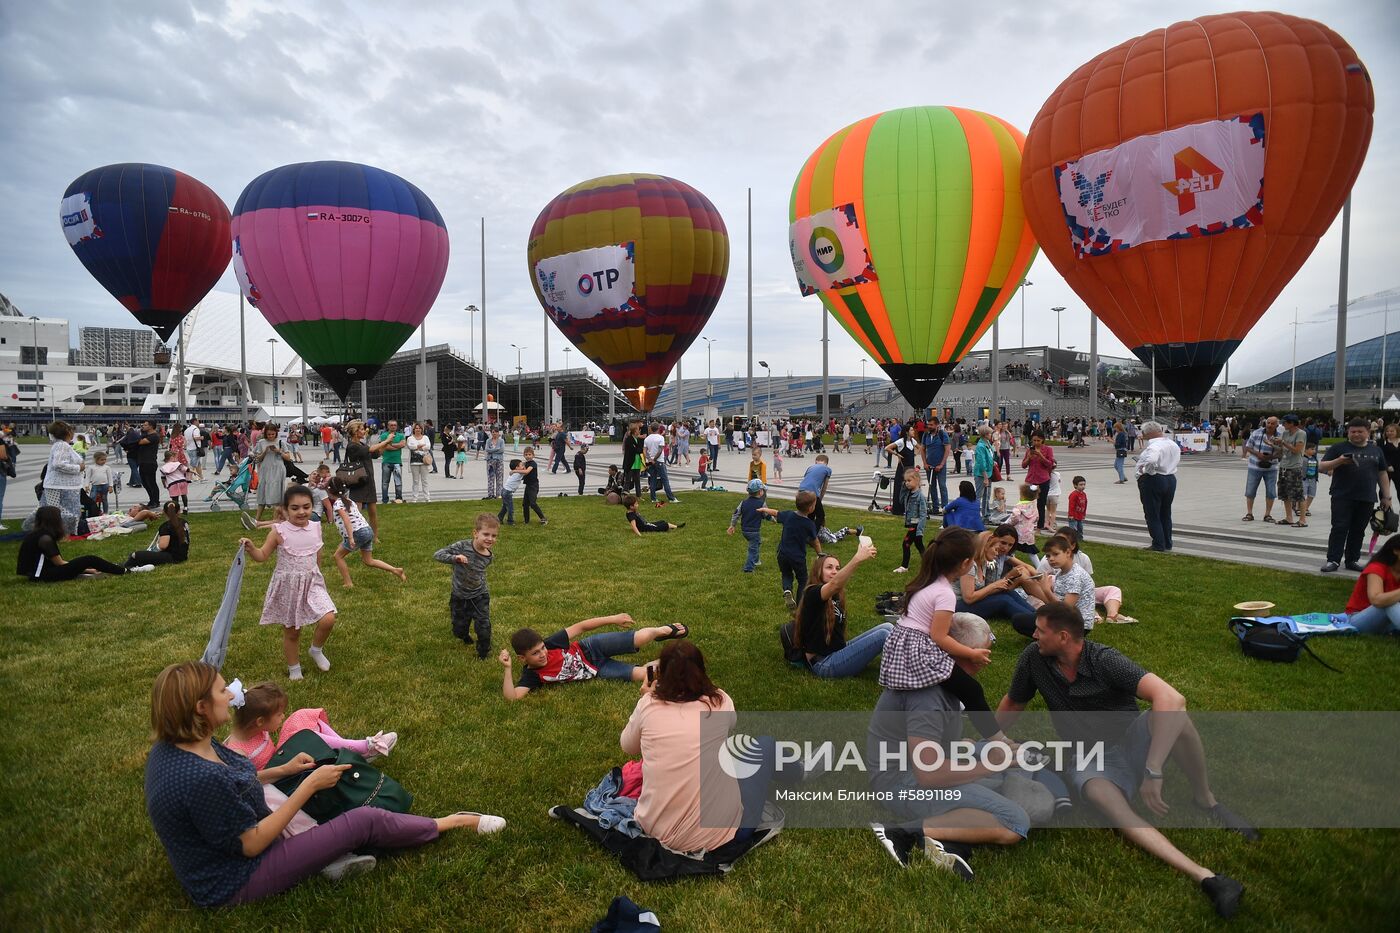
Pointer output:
x,y
1078,505
1359,598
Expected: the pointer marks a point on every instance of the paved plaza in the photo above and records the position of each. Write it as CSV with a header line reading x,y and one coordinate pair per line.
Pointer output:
x,y
1209,499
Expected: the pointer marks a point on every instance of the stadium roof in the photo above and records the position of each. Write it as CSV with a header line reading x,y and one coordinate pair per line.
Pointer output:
x,y
211,339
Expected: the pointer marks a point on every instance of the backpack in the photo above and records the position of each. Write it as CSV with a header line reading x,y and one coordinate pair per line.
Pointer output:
x,y
1267,642
363,785
791,653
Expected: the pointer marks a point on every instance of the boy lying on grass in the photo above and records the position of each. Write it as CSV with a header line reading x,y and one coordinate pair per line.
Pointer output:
x,y
564,657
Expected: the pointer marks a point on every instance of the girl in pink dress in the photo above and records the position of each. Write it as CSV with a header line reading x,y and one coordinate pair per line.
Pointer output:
x,y
296,595
177,479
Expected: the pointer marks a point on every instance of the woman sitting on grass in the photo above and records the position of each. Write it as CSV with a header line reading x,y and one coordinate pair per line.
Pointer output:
x,y
40,560
206,803
666,730
820,631
1374,607
172,541
997,585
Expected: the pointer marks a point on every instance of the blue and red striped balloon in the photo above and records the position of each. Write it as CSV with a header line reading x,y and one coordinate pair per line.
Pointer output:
x,y
155,238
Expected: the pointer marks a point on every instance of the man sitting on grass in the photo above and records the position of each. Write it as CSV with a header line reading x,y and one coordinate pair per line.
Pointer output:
x,y
1102,686
563,657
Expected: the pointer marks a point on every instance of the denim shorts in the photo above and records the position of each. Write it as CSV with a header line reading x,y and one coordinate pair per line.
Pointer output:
x,y
1270,478
364,540
1123,762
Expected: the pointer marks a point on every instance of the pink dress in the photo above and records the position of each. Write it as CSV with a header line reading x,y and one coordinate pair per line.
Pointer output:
x,y
297,594
258,749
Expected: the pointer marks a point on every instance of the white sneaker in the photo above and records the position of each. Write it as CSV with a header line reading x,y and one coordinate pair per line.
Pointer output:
x,y
348,866
144,568
382,743
485,823
901,570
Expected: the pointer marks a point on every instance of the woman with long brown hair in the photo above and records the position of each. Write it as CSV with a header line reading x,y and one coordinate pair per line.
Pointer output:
x,y
679,728
820,631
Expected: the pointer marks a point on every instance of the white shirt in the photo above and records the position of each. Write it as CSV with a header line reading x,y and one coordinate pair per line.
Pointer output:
x,y
191,437
652,444
1160,457
712,435
421,444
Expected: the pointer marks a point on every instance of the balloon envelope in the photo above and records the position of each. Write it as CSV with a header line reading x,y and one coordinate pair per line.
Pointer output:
x,y
908,224
155,238
1179,180
629,268
344,260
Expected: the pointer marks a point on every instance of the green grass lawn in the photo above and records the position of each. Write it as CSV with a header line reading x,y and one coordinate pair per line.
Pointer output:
x,y
77,660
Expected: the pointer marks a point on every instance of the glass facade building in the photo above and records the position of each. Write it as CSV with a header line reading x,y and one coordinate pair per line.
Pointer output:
x,y
1363,362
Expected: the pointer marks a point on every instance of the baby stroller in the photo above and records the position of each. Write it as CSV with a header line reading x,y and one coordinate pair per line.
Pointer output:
x,y
882,481
235,490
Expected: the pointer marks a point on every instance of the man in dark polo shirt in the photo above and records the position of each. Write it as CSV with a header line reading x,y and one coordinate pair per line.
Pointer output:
x,y
1357,467
1092,692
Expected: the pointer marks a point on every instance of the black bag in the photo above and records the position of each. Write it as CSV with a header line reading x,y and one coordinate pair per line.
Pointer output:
x,y
787,636
415,456
352,473
363,785
1384,521
1267,642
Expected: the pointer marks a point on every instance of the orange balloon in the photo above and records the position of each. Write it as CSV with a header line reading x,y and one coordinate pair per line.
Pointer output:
x,y
1179,180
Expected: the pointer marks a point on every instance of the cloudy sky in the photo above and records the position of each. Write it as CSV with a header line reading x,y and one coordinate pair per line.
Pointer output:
x,y
492,109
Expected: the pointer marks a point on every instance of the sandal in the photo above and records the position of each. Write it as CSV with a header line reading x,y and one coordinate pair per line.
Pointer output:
x,y
678,630
1122,619
1300,524
1270,519
1247,518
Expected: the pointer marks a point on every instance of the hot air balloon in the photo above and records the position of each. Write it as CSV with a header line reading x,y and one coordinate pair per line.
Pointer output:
x,y
155,238
1179,180
629,268
343,260
908,225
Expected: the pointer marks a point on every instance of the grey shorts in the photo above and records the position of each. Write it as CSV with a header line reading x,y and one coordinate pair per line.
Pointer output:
x,y
911,813
1123,763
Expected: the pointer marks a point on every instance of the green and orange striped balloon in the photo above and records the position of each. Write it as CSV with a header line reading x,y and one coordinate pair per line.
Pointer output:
x,y
909,225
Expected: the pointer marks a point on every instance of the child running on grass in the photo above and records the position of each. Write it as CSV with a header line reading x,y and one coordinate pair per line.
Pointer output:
x,y
799,533
355,534
639,524
508,490
470,602
296,594
564,657
703,470
748,515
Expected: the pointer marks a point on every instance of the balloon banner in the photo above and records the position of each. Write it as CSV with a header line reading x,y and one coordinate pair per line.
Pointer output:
x,y
589,282
828,251
1191,181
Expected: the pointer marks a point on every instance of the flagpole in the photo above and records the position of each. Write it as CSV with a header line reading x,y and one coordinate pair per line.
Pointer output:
x,y
749,410
485,411
242,358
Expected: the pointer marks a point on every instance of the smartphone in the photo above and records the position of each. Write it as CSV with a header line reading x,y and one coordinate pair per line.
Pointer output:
x,y
866,541
651,675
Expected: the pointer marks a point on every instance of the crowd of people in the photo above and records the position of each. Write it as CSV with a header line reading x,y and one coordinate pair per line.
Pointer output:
x,y
233,837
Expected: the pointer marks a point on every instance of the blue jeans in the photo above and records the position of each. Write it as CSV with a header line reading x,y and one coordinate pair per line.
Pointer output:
x,y
1270,478
1118,465
1156,493
657,475
599,650
387,470
852,659
1078,525
983,485
938,489
753,537
1373,620
714,456
507,512
220,455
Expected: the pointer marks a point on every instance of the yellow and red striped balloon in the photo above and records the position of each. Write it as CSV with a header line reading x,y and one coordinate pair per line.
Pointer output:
x,y
932,197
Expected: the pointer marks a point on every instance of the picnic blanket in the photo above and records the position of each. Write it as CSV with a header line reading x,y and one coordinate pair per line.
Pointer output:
x,y
1311,623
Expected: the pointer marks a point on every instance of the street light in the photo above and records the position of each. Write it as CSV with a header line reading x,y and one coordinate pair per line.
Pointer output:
x,y
34,326
709,383
471,332
519,410
1057,325
1024,285
275,398
769,369
863,361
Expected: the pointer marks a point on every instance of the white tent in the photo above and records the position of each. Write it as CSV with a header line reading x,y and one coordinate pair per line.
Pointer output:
x,y
493,406
288,414
1391,403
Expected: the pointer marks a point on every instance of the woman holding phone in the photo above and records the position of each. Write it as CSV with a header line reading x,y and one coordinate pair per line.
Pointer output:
x,y
820,632
1039,463
997,585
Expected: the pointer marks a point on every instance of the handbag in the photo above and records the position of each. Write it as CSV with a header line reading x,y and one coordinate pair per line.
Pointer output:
x,y
415,456
363,785
352,473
